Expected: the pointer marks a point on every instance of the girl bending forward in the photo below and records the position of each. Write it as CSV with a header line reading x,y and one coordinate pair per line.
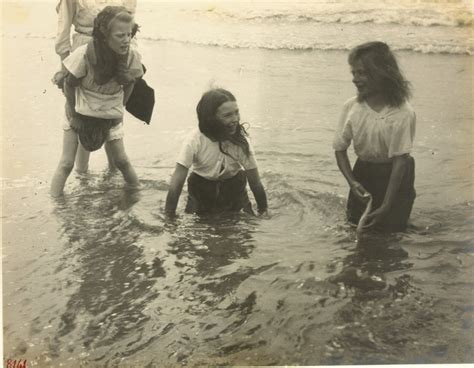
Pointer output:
x,y
100,79
381,123
222,160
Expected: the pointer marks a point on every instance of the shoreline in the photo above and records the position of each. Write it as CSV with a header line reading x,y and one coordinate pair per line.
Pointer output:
x,y
28,35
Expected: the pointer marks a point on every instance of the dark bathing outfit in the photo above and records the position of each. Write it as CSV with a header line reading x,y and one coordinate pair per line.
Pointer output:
x,y
218,181
375,178
207,196
378,137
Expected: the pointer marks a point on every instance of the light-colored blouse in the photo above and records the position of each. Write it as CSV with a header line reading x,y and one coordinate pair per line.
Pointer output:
x,y
101,101
377,136
207,160
81,15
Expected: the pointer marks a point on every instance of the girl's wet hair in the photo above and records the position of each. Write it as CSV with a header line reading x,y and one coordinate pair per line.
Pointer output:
x,y
382,68
210,125
109,64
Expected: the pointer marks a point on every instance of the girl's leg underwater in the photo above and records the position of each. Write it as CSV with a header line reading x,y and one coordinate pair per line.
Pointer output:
x,y
110,158
121,161
66,163
82,159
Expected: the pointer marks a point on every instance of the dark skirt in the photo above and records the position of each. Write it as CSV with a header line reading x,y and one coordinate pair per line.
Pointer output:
x,y
208,196
375,178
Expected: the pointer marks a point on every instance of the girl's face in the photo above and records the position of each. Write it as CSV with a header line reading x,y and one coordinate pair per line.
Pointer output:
x,y
361,79
120,36
229,116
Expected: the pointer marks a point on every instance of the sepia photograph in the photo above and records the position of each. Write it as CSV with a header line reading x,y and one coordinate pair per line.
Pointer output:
x,y
218,183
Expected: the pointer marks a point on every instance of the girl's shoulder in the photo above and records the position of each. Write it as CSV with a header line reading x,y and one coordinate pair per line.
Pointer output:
x,y
134,63
353,109
76,62
403,111
134,54
407,108
194,138
351,102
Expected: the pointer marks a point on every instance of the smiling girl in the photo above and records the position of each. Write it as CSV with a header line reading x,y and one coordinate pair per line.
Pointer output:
x,y
101,76
381,123
222,161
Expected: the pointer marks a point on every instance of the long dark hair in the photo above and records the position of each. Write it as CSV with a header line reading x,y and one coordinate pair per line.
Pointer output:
x,y
211,127
382,68
108,63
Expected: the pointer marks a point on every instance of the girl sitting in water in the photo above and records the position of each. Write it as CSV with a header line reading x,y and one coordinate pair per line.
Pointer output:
x,y
381,123
101,76
217,152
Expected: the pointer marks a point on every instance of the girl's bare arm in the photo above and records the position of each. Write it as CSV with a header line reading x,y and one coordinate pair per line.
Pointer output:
x,y
176,186
345,166
257,189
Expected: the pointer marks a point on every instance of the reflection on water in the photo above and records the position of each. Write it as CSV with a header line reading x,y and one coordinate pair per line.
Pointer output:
x,y
126,286
102,278
114,284
120,297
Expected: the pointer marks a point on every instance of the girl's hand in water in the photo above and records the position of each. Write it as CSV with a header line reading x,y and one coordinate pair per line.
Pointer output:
x,y
360,192
376,216
263,214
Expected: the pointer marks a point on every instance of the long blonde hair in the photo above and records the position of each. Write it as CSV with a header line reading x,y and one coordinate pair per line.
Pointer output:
x,y
382,68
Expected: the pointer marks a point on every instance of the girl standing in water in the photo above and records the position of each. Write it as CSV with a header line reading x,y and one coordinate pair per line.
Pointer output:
x,y
81,15
222,160
381,123
101,76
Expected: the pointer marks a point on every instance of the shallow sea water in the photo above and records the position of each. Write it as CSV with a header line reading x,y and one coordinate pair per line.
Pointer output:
x,y
102,278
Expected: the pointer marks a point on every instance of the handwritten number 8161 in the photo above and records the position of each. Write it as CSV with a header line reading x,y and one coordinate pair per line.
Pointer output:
x,y
13,363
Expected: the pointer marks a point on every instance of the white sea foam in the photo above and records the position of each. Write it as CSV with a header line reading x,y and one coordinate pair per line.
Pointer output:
x,y
443,26
424,13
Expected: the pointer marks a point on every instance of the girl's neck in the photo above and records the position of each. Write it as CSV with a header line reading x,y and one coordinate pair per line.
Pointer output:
x,y
376,102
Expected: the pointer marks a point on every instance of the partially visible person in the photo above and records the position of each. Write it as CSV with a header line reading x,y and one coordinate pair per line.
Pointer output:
x,y
100,79
221,158
80,14
381,124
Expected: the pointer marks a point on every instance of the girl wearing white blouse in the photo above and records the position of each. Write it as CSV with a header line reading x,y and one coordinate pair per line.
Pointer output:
x,y
381,124
100,80
80,14
222,160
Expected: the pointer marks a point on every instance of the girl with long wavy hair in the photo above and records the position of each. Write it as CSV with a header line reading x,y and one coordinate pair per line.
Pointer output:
x,y
101,76
221,158
381,124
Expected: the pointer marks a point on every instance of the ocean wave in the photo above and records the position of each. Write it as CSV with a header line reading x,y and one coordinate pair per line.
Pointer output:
x,y
249,44
426,16
424,48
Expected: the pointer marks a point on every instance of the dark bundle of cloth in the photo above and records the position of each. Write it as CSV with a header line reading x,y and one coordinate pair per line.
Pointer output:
x,y
141,101
92,131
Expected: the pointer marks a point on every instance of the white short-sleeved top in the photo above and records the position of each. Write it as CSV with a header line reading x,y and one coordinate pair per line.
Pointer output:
x,y
377,136
101,101
207,160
